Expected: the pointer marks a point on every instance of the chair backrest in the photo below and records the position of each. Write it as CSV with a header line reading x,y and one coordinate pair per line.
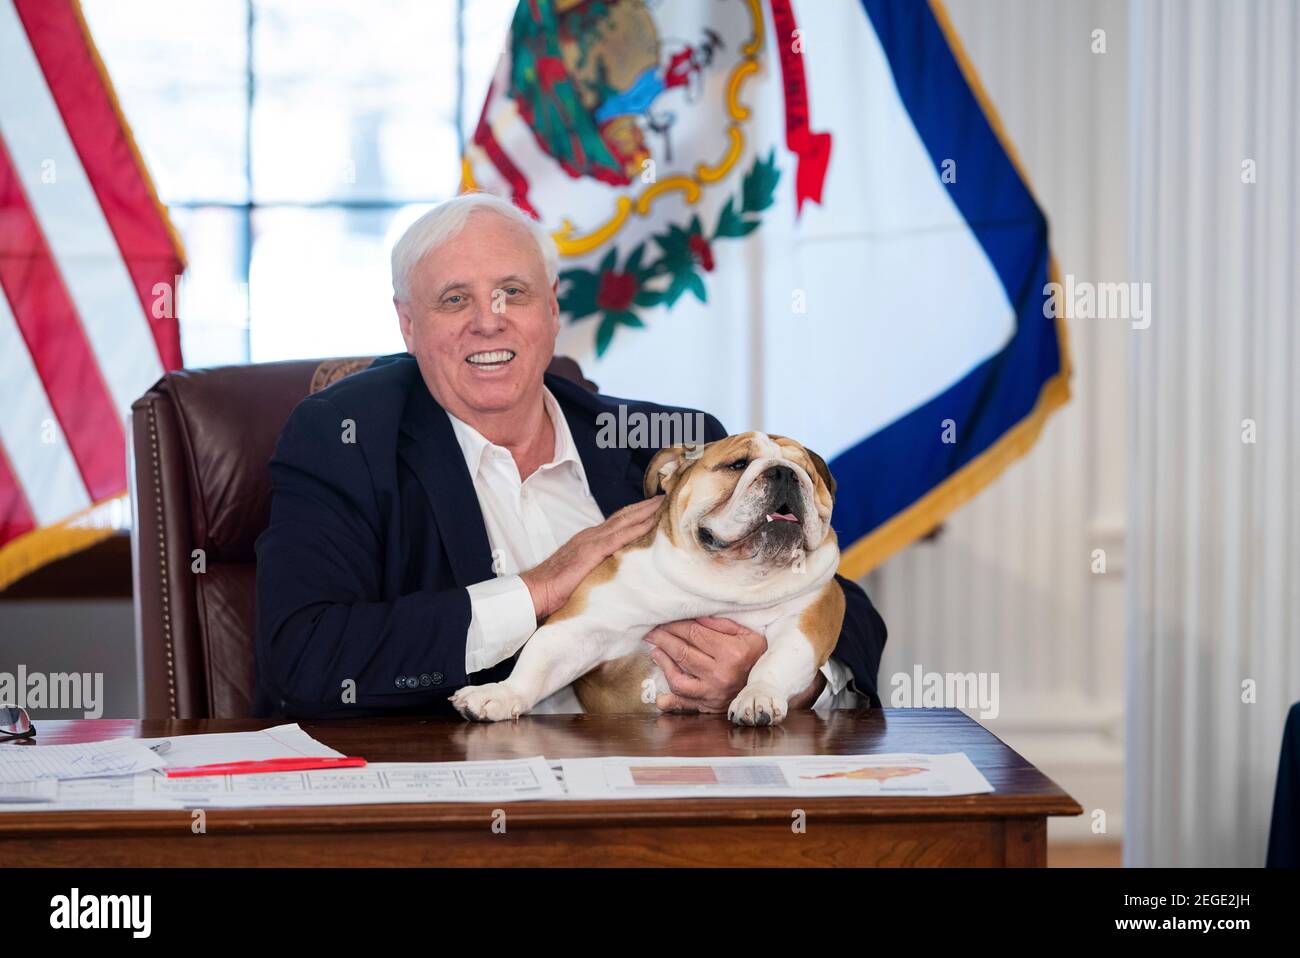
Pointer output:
x,y
200,496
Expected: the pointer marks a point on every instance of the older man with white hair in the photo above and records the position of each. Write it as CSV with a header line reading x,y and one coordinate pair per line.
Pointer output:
x,y
428,512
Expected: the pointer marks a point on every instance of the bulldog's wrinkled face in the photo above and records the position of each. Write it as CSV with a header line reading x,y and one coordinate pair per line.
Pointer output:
x,y
750,497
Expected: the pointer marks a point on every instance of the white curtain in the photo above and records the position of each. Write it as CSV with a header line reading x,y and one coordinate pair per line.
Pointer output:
x,y
1214,570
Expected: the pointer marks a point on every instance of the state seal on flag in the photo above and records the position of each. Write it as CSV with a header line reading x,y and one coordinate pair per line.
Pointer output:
x,y
627,127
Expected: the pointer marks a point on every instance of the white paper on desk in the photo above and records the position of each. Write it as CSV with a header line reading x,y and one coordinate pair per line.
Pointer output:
x,y
508,780
803,776
209,748
109,794
17,793
92,795
119,756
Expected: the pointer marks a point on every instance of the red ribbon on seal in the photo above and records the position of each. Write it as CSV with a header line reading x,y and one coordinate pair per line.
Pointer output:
x,y
812,150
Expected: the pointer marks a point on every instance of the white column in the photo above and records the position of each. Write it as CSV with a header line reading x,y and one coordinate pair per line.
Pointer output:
x,y
1214,570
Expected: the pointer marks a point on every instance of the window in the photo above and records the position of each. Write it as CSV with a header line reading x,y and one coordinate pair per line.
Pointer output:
x,y
293,142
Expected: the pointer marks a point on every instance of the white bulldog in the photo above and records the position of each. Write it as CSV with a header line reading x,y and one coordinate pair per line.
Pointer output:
x,y
744,532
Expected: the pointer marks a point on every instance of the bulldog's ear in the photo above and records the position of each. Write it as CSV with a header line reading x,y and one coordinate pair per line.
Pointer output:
x,y
664,470
822,470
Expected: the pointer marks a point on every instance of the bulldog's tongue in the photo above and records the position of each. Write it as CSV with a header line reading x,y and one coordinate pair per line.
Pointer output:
x,y
788,517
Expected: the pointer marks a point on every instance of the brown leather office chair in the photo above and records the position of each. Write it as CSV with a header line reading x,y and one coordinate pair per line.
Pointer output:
x,y
200,444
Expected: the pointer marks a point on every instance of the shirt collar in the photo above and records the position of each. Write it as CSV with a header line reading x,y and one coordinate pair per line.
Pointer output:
x,y
474,445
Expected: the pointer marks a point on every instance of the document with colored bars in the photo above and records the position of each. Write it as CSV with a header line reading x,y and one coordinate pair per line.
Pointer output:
x,y
618,777
804,776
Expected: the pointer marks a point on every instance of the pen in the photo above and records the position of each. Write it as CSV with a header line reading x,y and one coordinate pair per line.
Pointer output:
x,y
264,765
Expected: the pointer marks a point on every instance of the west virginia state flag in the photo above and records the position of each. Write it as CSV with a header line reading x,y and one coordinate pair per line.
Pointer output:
x,y
799,215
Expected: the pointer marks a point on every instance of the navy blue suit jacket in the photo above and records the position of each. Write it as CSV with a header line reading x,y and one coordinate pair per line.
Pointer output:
x,y
362,572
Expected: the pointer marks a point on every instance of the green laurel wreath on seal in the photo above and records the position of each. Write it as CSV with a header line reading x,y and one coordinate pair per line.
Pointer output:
x,y
616,291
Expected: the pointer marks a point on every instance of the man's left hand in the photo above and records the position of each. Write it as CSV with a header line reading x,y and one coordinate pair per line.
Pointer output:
x,y
706,661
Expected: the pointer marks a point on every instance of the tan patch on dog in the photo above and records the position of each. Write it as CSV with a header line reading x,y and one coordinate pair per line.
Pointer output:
x,y
661,527
725,450
578,600
615,686
822,621
664,527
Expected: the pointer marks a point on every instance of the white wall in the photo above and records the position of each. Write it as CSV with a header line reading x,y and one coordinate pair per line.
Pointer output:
x,y
1008,587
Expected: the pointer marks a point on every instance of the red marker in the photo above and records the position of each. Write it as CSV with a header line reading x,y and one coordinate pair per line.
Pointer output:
x,y
264,765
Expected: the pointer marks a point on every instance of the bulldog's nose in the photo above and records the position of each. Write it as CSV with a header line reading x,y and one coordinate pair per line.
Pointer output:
x,y
782,476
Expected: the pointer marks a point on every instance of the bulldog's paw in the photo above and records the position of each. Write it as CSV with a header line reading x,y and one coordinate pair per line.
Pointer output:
x,y
758,705
488,703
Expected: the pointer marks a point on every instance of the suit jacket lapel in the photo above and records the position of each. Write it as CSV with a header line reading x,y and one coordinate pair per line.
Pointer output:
x,y
429,446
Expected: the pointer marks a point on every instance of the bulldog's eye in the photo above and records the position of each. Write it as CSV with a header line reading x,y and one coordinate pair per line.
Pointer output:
x,y
738,464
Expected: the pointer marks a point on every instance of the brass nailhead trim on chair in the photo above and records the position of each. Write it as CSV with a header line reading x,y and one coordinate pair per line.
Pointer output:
x,y
331,371
162,561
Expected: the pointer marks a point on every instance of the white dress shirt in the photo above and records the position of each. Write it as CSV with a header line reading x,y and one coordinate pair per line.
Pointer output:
x,y
526,522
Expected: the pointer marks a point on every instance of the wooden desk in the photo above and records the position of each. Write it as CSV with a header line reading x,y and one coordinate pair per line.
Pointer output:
x,y
1007,827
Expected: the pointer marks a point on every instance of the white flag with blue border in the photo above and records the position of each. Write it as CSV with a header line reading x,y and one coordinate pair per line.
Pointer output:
x,y
801,216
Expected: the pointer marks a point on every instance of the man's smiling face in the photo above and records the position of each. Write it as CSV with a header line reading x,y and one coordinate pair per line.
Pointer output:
x,y
482,319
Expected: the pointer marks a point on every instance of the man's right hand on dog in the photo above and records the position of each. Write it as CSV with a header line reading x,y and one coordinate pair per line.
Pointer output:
x,y
552,582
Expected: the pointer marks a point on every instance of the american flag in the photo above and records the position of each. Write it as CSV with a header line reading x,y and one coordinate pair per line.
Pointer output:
x,y
88,267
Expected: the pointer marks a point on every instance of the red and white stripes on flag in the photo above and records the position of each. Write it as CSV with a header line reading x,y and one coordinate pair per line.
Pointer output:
x,y
88,264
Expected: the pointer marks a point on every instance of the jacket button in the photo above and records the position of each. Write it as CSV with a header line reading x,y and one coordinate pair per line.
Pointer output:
x,y
437,678
426,679
400,681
